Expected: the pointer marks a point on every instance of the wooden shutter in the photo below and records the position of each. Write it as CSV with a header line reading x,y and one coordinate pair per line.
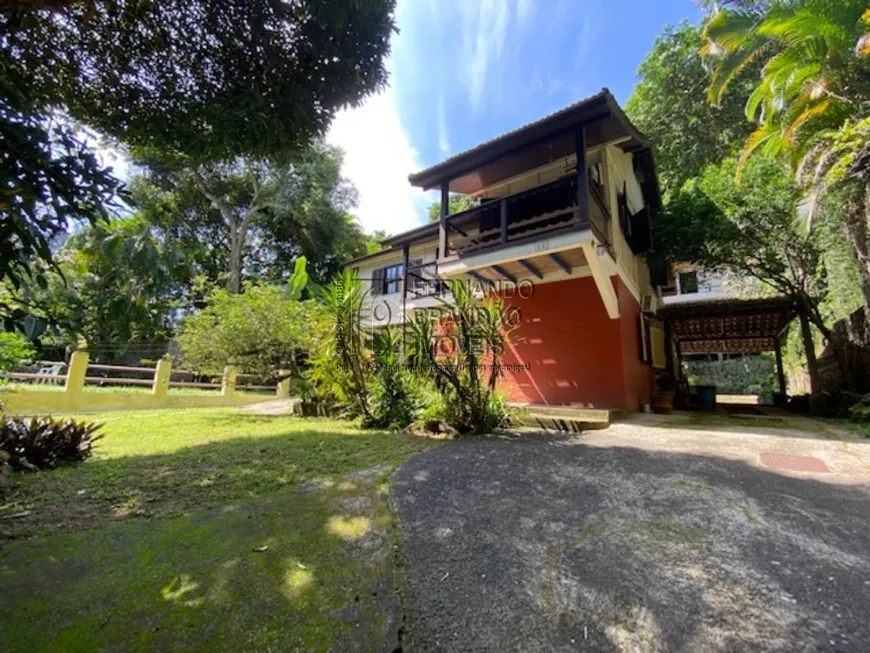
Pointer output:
x,y
378,282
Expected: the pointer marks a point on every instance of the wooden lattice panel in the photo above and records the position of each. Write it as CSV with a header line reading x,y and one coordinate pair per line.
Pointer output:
x,y
737,346
764,324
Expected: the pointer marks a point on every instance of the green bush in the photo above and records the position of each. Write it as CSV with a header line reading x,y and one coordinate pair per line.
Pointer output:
x,y
44,443
470,337
735,376
15,349
396,399
860,411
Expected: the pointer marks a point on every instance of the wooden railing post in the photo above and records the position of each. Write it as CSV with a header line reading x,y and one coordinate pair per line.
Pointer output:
x,y
161,378
78,370
283,391
228,383
582,179
442,227
504,221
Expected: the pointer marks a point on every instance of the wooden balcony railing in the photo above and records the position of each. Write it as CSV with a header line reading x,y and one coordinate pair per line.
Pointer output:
x,y
541,212
422,281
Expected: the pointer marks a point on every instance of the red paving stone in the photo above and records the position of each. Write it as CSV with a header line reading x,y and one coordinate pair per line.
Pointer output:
x,y
793,462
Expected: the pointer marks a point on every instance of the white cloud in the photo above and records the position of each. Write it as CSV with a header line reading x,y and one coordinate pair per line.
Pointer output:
x,y
378,158
524,9
443,132
482,43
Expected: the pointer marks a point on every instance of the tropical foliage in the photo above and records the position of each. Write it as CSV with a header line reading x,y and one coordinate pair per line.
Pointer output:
x,y
182,76
669,106
462,351
457,204
811,103
261,331
342,358
32,444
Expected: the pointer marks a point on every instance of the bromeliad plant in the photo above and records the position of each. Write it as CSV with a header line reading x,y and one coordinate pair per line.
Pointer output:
x,y
462,349
44,443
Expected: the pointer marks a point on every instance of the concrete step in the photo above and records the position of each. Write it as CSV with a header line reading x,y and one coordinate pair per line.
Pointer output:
x,y
566,419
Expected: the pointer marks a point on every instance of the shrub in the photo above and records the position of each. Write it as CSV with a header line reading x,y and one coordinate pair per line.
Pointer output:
x,y
860,411
44,443
471,331
397,395
14,350
340,363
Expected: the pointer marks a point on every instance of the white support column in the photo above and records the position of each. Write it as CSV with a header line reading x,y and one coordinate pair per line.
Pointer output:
x,y
602,281
161,378
228,383
75,376
283,390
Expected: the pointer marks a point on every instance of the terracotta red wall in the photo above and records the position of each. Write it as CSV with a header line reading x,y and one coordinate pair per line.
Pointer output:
x,y
576,354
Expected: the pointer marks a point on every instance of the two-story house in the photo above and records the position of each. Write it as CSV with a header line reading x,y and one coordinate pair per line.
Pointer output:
x,y
563,221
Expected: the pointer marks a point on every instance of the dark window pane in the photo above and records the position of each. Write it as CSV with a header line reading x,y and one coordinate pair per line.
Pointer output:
x,y
688,283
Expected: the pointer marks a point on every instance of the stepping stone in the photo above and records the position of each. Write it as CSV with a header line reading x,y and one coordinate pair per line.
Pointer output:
x,y
794,463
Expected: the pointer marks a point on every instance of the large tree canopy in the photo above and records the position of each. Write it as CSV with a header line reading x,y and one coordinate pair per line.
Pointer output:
x,y
811,100
49,178
212,79
253,219
669,105
120,284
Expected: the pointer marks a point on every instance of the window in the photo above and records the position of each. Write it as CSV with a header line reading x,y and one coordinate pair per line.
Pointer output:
x,y
392,279
688,283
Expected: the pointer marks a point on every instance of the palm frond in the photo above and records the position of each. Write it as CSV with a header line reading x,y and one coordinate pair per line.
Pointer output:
x,y
757,138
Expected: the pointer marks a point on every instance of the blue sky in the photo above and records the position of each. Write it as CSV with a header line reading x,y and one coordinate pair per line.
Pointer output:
x,y
465,71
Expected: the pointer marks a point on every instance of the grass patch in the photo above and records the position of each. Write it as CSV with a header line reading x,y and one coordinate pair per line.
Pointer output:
x,y
165,462
188,531
204,582
860,428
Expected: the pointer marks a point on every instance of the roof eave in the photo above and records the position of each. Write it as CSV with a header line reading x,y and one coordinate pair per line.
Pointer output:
x,y
467,161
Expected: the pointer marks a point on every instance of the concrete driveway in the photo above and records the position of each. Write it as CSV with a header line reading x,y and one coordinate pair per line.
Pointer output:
x,y
657,534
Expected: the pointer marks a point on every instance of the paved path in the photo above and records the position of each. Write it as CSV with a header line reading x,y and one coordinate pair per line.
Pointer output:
x,y
637,538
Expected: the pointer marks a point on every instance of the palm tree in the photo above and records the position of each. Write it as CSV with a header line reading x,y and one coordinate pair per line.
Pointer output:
x,y
813,96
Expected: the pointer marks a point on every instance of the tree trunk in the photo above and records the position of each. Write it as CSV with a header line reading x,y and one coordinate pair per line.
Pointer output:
x,y
810,352
234,282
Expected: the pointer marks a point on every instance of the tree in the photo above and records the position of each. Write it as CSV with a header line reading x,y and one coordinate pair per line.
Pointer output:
x,y
116,283
458,203
208,78
254,216
668,104
261,332
814,84
50,179
373,241
750,227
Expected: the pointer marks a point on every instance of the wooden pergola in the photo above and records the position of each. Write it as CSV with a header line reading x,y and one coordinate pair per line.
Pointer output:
x,y
728,326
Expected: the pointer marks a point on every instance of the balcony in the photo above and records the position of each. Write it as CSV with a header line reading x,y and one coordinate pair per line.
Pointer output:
x,y
542,212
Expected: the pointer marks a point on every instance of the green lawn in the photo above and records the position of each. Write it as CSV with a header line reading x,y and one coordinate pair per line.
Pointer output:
x,y
188,531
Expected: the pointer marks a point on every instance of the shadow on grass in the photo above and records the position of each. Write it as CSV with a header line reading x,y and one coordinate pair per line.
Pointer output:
x,y
193,477
308,571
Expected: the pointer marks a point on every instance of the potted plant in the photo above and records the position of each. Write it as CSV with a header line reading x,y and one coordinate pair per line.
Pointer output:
x,y
662,400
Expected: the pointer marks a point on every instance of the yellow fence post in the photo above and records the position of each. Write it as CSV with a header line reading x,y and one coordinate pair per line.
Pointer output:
x,y
75,376
161,378
283,391
228,384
